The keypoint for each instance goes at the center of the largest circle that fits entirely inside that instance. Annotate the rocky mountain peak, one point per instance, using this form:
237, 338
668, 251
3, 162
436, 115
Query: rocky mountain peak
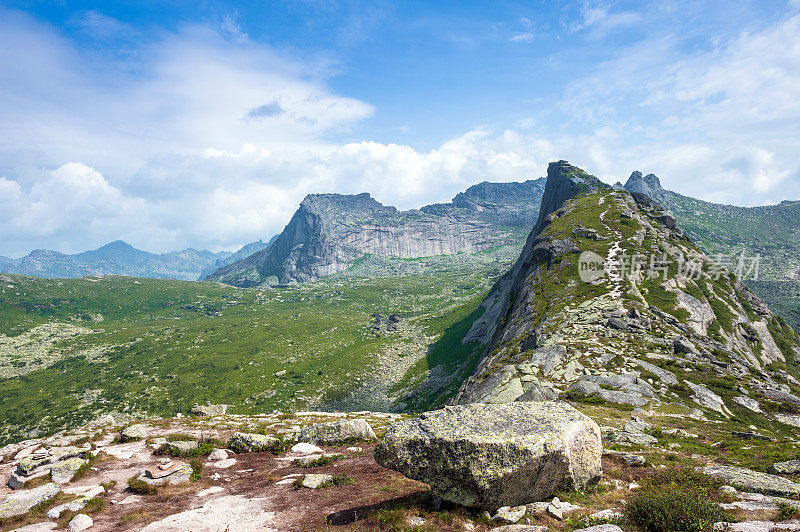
350, 203
611, 303
648, 185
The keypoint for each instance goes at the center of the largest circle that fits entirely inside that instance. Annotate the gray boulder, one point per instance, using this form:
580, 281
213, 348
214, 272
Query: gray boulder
209, 410
65, 470
792, 467
182, 447
23, 501
490, 456
243, 442
754, 480
134, 433
336, 432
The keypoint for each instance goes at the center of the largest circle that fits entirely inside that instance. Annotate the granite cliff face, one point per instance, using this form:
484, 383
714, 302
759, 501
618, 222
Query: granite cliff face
330, 232
657, 321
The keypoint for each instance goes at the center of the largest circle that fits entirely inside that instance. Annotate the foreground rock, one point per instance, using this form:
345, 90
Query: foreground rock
335, 432
21, 502
792, 467
496, 455
753, 480
243, 442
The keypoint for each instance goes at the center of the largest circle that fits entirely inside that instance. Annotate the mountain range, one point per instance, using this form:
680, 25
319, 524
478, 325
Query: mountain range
120, 258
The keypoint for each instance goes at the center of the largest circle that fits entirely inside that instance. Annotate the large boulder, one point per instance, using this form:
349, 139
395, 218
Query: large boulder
209, 410
489, 456
65, 470
336, 432
244, 442
23, 501
133, 433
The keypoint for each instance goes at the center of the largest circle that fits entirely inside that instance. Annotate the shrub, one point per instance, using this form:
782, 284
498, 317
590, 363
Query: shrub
676, 499
786, 511
136, 485
318, 462
197, 468
338, 480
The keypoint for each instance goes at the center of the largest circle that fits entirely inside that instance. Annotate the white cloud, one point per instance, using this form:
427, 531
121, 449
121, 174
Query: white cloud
721, 124
523, 37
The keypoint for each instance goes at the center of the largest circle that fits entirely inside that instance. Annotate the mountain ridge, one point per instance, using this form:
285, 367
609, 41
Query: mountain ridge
330, 232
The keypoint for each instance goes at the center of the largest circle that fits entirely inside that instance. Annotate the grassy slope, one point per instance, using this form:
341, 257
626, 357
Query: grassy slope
772, 231
164, 345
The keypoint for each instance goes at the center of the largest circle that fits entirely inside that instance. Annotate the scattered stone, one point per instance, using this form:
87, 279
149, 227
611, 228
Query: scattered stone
314, 481
218, 454
133, 433
242, 442
607, 514
225, 464
634, 460
555, 512
792, 467
175, 473
21, 502
335, 432
42, 457
750, 435
635, 426
600, 528
209, 410
182, 447
65, 470
73, 506
86, 491
306, 448
631, 437
754, 480
708, 399
80, 522
510, 515
416, 521
486, 455
18, 480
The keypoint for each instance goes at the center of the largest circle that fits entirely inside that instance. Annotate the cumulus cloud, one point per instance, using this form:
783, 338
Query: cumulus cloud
204, 138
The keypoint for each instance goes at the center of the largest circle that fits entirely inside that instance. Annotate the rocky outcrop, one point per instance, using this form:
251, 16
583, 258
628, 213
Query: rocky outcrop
329, 232
496, 455
23, 501
337, 432
648, 185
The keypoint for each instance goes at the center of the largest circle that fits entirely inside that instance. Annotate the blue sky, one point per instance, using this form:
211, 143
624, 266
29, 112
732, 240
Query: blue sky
203, 124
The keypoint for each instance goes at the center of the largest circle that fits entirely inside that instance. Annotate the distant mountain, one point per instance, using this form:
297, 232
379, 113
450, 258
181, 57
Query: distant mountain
330, 232
5, 261
771, 232
244, 252
115, 258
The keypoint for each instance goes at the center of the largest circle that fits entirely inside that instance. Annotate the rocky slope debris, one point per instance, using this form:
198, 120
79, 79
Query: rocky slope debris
496, 455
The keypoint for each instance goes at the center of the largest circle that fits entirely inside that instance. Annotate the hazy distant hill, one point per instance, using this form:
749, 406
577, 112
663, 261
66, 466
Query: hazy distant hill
115, 258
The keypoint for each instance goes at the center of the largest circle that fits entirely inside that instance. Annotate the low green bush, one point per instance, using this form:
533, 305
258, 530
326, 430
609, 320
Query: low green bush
676, 499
